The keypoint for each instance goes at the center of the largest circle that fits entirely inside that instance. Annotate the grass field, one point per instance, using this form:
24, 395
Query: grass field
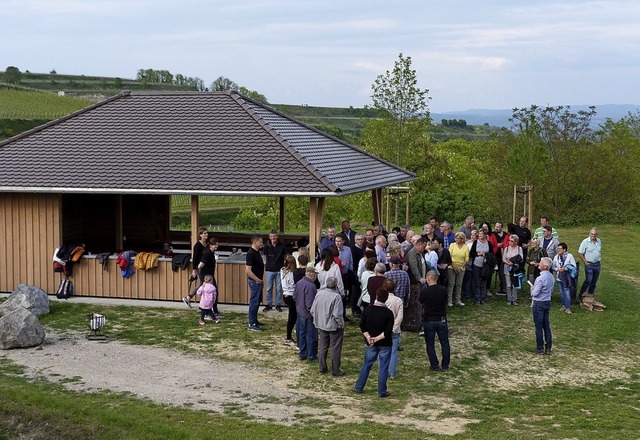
496, 389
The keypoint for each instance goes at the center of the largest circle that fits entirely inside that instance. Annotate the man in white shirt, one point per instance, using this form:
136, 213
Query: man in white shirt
590, 252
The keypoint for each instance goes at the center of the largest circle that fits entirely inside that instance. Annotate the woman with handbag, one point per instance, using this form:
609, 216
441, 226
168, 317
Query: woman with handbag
511, 268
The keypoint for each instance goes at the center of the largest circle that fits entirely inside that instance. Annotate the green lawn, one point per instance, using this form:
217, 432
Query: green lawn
496, 389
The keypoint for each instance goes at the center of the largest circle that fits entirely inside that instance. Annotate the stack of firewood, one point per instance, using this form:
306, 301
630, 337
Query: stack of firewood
589, 303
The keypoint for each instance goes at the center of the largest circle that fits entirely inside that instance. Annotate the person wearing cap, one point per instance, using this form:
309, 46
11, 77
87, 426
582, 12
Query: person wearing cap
548, 242
400, 279
303, 295
327, 311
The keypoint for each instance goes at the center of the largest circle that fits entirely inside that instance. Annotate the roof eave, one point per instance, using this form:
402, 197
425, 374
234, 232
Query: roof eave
62, 190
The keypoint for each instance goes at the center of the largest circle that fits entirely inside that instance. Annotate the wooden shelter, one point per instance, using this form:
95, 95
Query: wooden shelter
104, 175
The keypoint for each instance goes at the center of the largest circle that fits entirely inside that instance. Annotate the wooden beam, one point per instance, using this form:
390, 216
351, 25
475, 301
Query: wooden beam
195, 207
281, 215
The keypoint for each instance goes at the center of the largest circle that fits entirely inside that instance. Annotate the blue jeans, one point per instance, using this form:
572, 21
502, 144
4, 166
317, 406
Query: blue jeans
591, 274
371, 353
255, 292
307, 339
540, 312
271, 277
441, 328
565, 295
393, 362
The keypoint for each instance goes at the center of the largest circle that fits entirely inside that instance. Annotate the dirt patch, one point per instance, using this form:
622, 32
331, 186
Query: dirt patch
514, 372
173, 378
626, 277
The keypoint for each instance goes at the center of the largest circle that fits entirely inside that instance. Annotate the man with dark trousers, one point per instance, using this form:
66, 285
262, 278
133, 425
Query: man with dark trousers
433, 298
377, 328
254, 269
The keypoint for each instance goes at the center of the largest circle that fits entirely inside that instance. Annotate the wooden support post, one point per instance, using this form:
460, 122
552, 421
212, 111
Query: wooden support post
281, 215
406, 214
316, 212
376, 202
195, 207
387, 219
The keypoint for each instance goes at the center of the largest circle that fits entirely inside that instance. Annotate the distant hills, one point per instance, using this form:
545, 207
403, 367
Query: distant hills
20, 110
500, 118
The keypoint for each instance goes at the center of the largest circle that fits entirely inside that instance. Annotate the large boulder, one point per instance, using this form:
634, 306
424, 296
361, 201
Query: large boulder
20, 328
31, 298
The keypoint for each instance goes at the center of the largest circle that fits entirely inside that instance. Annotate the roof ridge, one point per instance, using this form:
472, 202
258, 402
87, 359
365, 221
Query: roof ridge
242, 100
63, 118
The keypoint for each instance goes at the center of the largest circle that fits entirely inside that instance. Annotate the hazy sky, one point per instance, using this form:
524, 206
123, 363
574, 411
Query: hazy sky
469, 54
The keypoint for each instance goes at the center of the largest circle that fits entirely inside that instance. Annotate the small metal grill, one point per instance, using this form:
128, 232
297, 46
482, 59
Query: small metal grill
96, 322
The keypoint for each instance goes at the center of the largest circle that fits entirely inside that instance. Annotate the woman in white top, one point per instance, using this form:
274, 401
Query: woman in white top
364, 281
288, 285
327, 267
369, 252
431, 257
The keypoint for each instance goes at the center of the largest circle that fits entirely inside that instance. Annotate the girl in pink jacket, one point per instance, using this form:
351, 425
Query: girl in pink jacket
207, 293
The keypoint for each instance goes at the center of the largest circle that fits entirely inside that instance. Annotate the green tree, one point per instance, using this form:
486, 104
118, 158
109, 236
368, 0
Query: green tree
404, 105
117, 83
557, 144
253, 95
12, 75
615, 160
222, 84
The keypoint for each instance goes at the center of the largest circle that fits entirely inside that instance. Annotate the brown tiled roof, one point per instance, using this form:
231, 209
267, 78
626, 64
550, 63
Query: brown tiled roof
187, 143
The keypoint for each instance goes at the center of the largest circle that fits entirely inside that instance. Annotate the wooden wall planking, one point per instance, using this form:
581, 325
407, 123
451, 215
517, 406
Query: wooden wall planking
30, 235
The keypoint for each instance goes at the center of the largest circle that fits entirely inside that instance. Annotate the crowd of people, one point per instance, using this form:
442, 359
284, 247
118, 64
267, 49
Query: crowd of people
401, 279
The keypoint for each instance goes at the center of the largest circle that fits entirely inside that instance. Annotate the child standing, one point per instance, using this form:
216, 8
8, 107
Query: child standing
207, 293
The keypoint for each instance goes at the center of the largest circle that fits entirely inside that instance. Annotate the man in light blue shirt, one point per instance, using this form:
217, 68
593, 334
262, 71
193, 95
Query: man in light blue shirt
541, 296
590, 252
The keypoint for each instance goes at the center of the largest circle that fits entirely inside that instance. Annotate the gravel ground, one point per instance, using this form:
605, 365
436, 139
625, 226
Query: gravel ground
172, 378
161, 375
